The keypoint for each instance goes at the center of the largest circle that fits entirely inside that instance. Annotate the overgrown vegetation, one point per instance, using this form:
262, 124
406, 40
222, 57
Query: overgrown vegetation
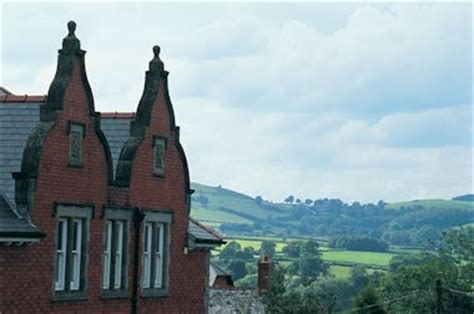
441, 282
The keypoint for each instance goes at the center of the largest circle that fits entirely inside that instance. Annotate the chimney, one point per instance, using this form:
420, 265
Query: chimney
265, 266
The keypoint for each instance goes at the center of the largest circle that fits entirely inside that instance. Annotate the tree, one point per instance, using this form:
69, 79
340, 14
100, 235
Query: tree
230, 251
273, 297
237, 268
310, 248
259, 200
311, 268
249, 281
415, 287
415, 259
459, 246
368, 301
441, 283
298, 201
308, 202
267, 248
292, 249
290, 199
247, 254
359, 277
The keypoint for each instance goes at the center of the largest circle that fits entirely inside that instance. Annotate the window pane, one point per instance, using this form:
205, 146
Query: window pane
159, 256
76, 255
59, 242
147, 255
118, 254
61, 254
107, 255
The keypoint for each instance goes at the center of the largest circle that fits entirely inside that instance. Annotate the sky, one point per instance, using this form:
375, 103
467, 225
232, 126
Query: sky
355, 101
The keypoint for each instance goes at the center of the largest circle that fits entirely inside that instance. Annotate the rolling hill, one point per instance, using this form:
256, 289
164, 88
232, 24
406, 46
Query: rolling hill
412, 223
217, 205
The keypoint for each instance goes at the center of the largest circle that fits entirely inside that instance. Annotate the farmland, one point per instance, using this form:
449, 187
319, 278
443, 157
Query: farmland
341, 261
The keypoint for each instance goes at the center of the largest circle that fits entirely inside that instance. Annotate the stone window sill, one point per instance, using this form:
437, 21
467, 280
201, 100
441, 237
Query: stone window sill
68, 296
114, 294
155, 293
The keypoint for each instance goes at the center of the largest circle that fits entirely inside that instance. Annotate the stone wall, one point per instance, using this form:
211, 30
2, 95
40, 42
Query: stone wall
225, 301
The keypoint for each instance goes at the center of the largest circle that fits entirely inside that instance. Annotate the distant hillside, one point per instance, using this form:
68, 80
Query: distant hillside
467, 198
417, 222
435, 204
217, 205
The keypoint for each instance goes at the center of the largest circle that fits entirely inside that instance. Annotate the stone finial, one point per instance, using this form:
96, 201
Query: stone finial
156, 64
71, 26
70, 43
156, 51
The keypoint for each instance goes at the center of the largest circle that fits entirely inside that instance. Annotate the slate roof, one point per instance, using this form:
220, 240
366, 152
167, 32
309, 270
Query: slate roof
18, 117
218, 270
12, 226
203, 234
17, 121
116, 130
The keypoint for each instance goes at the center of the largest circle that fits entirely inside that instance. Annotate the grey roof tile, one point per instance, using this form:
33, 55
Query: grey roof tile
203, 233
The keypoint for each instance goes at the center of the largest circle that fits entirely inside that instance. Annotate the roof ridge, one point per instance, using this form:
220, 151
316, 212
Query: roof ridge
23, 98
118, 115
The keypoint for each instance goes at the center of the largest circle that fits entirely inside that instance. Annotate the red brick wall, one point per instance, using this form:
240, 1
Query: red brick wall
168, 193
27, 274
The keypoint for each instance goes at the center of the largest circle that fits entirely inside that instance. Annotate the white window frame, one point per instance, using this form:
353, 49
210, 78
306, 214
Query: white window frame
159, 258
107, 255
71, 279
119, 226
76, 254
115, 257
147, 241
156, 253
60, 273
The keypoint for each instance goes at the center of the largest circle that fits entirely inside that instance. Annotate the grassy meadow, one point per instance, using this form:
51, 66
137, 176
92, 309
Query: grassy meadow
341, 261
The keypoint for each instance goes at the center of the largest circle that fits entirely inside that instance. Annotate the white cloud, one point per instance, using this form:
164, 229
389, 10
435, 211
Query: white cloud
319, 100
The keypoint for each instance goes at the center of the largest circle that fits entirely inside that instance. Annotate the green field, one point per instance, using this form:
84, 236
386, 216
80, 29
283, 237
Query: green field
216, 216
340, 272
370, 258
435, 203
219, 197
344, 257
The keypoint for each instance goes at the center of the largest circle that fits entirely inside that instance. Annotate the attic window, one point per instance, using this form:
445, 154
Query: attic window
76, 134
159, 162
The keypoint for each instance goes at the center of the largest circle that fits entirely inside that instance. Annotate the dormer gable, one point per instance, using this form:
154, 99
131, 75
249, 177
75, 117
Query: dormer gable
69, 110
154, 126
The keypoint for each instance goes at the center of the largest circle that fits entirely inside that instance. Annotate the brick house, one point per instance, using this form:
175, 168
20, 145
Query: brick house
94, 208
